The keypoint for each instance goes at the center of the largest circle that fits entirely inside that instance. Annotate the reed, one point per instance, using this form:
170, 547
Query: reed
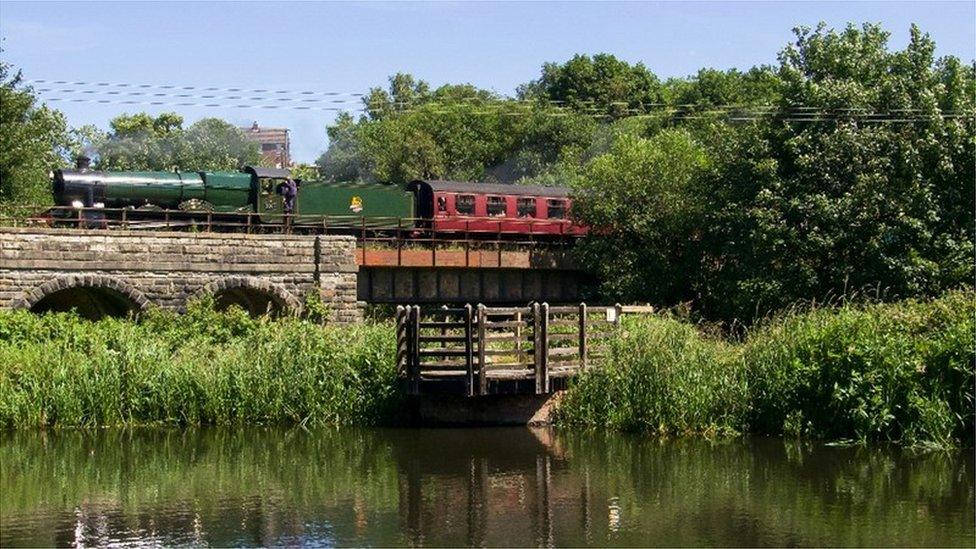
900, 372
200, 368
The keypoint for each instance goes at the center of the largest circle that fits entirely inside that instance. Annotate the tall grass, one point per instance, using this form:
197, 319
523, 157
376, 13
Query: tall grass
900, 372
661, 375
200, 368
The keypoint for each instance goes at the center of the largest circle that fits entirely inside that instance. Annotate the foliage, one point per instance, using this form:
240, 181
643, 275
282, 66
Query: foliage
33, 140
845, 166
601, 84
862, 179
141, 142
200, 368
900, 372
661, 375
453, 132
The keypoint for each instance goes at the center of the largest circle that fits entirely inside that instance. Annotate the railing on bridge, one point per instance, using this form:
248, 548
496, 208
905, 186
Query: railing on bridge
382, 241
489, 350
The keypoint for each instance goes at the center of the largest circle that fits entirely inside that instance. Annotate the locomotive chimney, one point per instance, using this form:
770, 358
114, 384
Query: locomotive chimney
82, 162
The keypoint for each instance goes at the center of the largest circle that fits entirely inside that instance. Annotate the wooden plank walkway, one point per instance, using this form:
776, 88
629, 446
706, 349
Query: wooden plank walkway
479, 350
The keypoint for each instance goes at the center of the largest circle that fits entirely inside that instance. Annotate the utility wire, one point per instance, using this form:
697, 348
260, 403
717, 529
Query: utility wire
804, 114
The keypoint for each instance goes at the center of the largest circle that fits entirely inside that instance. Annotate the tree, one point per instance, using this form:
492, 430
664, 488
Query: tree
641, 199
34, 139
212, 144
601, 84
142, 142
861, 177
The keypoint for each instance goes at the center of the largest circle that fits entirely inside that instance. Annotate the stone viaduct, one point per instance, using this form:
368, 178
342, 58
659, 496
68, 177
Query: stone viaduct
110, 272
114, 272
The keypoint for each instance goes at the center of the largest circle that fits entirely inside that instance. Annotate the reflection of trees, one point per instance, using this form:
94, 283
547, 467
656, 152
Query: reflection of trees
471, 487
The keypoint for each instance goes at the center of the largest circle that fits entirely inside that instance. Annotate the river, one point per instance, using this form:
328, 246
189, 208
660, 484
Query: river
498, 486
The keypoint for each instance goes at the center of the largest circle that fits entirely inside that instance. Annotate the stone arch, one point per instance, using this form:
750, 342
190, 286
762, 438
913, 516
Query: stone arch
92, 296
254, 295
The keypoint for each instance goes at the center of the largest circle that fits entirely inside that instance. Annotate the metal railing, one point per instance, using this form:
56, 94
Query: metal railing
457, 244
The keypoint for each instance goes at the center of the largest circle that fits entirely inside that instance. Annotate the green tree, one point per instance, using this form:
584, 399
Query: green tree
213, 144
142, 142
641, 198
34, 139
601, 84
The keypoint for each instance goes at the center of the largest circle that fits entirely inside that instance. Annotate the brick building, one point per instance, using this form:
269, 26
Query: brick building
273, 142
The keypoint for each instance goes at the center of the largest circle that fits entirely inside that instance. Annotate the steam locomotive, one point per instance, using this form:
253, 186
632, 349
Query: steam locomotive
255, 194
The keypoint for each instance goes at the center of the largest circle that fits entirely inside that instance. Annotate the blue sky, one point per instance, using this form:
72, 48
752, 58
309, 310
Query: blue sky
349, 47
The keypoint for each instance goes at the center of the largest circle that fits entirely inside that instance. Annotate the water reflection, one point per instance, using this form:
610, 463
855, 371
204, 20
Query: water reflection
481, 487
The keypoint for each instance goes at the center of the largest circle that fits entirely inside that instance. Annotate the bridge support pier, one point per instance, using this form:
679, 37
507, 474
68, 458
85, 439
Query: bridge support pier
520, 409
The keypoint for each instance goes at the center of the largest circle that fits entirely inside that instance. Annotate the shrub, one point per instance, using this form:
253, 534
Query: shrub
900, 372
661, 375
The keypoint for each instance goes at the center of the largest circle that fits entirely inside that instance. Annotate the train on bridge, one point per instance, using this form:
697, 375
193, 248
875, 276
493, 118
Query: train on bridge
258, 196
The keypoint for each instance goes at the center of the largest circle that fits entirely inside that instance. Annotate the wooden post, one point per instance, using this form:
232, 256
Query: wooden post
415, 350
537, 337
469, 350
125, 219
518, 338
401, 351
482, 380
582, 336
619, 308
545, 348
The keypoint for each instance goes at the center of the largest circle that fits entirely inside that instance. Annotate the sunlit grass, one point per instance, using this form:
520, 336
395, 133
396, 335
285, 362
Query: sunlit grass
200, 368
897, 372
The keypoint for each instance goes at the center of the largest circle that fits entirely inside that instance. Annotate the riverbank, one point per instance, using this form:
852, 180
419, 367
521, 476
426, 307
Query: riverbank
899, 372
203, 367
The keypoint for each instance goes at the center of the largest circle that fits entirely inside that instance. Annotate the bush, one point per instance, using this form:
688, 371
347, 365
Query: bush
200, 368
661, 375
900, 372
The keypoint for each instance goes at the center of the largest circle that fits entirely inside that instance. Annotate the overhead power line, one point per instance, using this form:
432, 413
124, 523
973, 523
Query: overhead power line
801, 114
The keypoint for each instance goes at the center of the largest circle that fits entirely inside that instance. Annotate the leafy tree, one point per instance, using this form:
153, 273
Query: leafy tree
862, 178
641, 198
33, 140
213, 144
141, 142
601, 84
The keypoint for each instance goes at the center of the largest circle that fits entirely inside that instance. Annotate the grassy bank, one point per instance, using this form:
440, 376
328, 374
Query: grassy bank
897, 372
200, 368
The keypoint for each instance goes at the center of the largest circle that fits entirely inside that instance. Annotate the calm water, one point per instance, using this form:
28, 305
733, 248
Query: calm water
280, 486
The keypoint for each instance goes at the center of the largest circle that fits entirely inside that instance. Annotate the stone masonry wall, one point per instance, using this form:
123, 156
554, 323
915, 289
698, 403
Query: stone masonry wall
165, 269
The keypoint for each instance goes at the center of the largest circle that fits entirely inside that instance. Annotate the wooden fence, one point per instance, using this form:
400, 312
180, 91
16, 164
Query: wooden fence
484, 350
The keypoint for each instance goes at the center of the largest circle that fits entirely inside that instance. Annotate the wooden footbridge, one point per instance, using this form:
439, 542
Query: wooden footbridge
479, 350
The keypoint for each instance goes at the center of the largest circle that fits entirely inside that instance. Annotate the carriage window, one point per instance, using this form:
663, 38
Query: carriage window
496, 206
464, 204
441, 204
557, 209
525, 207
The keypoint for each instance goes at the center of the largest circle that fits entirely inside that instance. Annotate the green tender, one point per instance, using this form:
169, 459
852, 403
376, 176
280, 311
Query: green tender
344, 205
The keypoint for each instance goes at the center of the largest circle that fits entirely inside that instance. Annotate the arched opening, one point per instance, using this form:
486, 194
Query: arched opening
91, 302
254, 301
